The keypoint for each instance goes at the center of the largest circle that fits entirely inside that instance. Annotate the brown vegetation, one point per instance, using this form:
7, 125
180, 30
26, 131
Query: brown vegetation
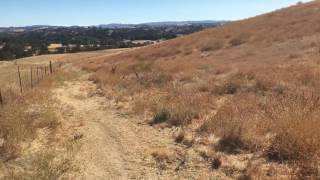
22, 118
246, 85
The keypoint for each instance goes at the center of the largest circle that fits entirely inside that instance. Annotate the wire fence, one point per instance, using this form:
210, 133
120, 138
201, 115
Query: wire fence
28, 77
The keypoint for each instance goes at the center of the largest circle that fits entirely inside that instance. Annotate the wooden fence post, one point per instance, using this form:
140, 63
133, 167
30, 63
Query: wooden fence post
1, 100
20, 83
31, 81
38, 74
41, 73
51, 70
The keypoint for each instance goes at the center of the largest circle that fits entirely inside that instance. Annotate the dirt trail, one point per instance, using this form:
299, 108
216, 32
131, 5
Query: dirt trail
114, 145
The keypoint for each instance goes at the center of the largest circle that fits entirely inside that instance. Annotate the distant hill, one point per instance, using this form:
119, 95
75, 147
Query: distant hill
17, 42
205, 23
26, 28
164, 24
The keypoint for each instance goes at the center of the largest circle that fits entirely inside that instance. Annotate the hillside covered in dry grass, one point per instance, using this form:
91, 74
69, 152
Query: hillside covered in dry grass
248, 88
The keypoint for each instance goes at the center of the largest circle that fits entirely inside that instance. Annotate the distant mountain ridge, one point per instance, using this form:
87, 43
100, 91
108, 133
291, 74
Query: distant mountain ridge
118, 26
163, 24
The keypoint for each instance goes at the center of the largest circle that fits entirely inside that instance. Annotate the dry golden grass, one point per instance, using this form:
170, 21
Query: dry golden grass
22, 116
242, 82
21, 119
44, 166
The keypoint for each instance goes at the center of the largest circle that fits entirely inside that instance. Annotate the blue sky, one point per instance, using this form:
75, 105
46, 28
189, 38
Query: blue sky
93, 12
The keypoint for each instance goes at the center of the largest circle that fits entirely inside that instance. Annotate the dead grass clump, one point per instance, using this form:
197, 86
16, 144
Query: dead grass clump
180, 136
235, 123
203, 88
163, 115
175, 114
216, 163
221, 69
231, 85
95, 79
44, 166
178, 108
308, 77
163, 157
91, 66
163, 52
246, 81
293, 56
294, 121
284, 126
157, 79
239, 39
226, 87
212, 46
142, 66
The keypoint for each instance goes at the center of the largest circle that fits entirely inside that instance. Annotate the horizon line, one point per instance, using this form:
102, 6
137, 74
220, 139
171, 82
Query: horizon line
115, 23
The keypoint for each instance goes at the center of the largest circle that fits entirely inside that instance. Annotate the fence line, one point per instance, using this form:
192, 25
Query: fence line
28, 78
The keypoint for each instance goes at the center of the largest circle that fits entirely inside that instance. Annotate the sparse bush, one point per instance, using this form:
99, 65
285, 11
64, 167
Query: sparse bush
294, 120
44, 166
212, 46
162, 157
280, 88
239, 40
293, 56
204, 88
154, 79
178, 108
290, 122
232, 141
175, 115
233, 123
216, 163
161, 116
229, 86
142, 66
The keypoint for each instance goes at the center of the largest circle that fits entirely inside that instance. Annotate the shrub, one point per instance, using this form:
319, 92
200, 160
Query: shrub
239, 40
216, 163
284, 126
142, 66
178, 108
212, 46
180, 137
161, 116
228, 86
294, 120
175, 115
233, 123
44, 166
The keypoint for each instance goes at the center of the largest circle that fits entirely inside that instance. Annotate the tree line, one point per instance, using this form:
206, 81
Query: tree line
15, 45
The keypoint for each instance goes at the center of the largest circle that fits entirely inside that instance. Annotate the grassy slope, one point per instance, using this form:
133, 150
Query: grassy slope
252, 83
